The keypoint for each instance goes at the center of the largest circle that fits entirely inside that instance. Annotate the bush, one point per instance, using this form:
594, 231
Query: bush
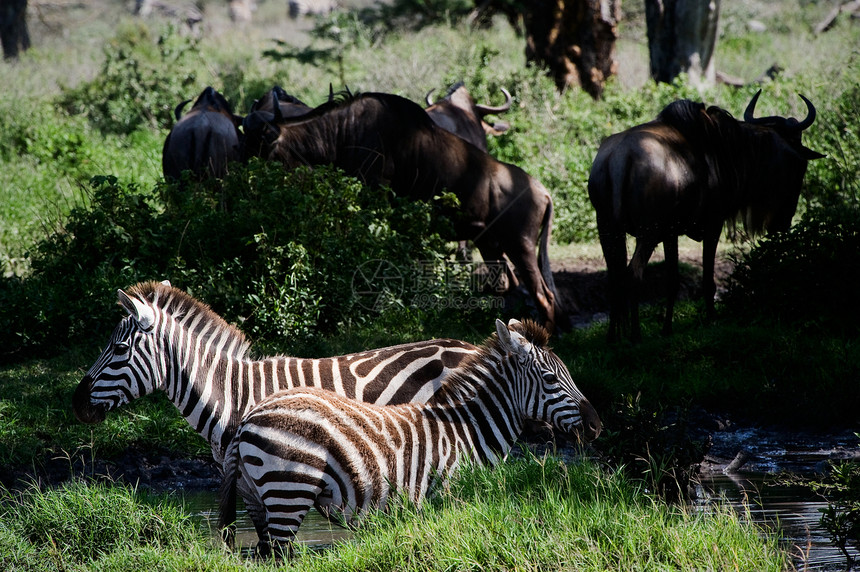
805, 276
131, 90
273, 250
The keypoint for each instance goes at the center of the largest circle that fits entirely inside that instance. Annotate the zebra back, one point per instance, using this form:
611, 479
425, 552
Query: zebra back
309, 447
172, 342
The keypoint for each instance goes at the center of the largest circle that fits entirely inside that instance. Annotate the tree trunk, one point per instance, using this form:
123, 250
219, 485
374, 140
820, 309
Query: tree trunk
681, 38
574, 39
14, 35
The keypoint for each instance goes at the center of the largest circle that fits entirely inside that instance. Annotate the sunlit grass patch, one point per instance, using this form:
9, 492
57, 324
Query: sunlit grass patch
81, 521
543, 514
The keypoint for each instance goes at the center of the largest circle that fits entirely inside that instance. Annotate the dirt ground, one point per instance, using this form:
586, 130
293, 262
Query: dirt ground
581, 282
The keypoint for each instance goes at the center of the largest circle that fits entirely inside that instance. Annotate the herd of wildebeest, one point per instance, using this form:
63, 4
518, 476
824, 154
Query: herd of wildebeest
688, 172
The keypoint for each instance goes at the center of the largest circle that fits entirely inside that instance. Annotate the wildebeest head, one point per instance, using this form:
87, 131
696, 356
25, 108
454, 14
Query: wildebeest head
689, 172
777, 211
204, 140
458, 113
287, 105
261, 125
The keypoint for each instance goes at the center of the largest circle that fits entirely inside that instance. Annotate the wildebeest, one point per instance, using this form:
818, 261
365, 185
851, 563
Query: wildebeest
386, 139
688, 172
204, 140
458, 113
288, 105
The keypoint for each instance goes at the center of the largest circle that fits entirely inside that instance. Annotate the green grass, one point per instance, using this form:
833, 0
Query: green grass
526, 514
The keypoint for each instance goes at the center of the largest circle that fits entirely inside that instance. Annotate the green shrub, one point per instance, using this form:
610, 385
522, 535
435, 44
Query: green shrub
806, 276
132, 89
275, 251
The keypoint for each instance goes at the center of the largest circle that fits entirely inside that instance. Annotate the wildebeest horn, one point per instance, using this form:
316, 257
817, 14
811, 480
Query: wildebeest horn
486, 109
810, 114
427, 99
276, 110
749, 113
330, 92
178, 111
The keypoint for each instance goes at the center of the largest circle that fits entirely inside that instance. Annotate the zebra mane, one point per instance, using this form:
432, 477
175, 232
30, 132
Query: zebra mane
459, 386
184, 308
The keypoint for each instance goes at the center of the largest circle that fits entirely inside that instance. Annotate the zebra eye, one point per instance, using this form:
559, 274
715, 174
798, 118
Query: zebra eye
549, 376
121, 348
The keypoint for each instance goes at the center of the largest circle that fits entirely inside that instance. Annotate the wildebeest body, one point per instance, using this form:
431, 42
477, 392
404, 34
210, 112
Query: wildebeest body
687, 173
386, 139
204, 140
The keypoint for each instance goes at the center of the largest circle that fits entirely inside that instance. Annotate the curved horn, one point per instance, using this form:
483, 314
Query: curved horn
810, 114
178, 111
427, 99
749, 113
486, 109
276, 111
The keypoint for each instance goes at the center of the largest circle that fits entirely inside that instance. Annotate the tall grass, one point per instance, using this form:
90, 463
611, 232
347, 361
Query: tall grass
526, 514
543, 514
81, 522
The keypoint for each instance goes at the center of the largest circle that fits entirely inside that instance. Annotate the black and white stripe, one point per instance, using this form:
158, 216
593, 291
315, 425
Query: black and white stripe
174, 343
304, 448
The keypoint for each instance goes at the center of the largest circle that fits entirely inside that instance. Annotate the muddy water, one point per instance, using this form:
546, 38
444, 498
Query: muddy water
755, 490
316, 531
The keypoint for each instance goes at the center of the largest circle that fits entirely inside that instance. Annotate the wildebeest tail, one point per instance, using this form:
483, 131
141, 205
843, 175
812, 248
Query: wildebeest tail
227, 500
543, 255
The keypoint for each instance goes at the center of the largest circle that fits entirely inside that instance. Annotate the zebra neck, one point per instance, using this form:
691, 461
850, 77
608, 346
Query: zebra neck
203, 382
488, 422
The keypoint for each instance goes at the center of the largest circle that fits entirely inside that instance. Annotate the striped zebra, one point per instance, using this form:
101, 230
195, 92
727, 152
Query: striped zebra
309, 447
171, 342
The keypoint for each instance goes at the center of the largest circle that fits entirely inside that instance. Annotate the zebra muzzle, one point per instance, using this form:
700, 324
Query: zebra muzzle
85, 410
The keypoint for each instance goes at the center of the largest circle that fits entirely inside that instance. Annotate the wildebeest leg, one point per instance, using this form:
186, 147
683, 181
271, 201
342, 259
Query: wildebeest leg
524, 258
670, 251
492, 253
644, 248
709, 255
614, 246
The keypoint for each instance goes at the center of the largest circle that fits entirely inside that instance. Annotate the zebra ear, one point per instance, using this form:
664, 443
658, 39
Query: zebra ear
512, 341
166, 282
142, 314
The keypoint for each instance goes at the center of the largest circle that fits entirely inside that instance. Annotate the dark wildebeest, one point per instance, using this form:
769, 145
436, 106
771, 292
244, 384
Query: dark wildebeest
386, 139
458, 113
688, 172
288, 105
204, 140
275, 105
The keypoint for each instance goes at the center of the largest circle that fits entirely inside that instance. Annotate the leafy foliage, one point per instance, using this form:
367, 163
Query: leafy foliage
131, 91
805, 276
273, 250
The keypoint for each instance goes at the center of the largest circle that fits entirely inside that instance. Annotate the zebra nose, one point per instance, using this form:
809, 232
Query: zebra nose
84, 410
591, 425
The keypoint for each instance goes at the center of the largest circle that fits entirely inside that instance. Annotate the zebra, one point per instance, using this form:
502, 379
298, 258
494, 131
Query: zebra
310, 447
172, 342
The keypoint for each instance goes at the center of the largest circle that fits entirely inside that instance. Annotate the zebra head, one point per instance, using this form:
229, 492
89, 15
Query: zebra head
125, 370
548, 392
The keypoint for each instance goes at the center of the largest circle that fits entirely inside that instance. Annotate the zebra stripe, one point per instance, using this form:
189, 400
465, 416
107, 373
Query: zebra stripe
310, 447
174, 343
